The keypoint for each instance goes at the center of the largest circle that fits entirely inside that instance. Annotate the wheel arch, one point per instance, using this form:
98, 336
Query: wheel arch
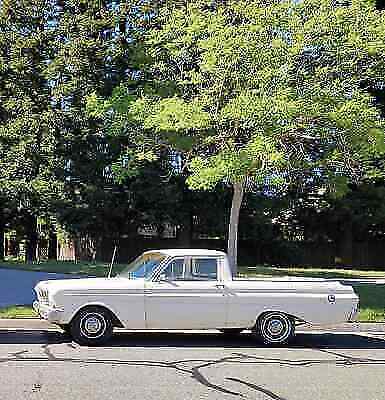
116, 322
293, 317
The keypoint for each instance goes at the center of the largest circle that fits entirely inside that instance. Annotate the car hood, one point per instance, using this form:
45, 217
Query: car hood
117, 283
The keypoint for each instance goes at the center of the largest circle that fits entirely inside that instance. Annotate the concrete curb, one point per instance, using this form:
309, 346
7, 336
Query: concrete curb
25, 323
355, 327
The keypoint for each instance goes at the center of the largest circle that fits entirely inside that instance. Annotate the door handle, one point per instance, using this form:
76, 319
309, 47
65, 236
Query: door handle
220, 286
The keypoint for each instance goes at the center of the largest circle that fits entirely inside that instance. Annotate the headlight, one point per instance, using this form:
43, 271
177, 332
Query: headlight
53, 302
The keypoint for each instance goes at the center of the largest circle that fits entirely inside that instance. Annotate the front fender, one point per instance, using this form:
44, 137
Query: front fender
70, 315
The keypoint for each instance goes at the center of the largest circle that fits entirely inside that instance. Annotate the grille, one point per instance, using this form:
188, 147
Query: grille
43, 296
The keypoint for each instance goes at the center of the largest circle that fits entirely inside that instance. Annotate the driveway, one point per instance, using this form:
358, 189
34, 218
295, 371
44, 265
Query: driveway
16, 287
46, 365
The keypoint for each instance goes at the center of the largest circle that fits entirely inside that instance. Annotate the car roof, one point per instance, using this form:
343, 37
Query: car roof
188, 252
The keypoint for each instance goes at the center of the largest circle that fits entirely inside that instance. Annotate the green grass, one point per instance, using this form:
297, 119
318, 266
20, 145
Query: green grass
372, 297
17, 312
264, 271
372, 302
98, 269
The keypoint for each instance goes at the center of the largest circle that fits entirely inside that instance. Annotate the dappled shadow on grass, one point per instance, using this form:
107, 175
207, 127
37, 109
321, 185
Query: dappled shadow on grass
18, 312
328, 273
372, 297
372, 301
97, 269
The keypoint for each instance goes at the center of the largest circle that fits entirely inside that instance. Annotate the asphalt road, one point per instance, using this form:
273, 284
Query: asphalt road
43, 364
16, 287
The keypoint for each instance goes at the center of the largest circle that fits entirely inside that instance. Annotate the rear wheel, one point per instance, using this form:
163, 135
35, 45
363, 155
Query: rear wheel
92, 326
275, 328
231, 331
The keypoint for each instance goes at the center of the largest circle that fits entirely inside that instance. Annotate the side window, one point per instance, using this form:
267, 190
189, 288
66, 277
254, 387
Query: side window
204, 269
175, 270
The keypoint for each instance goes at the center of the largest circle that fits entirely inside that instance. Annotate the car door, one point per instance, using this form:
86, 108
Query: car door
186, 295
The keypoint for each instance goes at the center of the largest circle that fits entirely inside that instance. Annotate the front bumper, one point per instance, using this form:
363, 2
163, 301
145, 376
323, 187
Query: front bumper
47, 312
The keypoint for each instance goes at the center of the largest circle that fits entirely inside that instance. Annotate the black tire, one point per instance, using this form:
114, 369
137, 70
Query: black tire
231, 331
92, 326
275, 328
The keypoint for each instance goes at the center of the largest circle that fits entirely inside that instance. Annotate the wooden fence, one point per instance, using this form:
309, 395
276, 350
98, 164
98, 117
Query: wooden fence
365, 254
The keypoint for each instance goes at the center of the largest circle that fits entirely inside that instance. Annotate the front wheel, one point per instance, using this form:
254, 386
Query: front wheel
275, 328
92, 326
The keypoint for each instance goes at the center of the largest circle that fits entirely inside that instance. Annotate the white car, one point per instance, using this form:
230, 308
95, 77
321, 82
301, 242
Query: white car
191, 289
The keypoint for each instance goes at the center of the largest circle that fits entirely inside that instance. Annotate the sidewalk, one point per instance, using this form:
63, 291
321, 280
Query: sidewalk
355, 327
352, 327
26, 323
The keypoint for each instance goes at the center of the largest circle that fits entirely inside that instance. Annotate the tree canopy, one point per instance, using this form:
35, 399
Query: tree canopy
112, 111
259, 93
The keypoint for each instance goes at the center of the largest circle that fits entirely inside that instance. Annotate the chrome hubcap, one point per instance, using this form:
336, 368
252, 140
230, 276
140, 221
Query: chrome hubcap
275, 326
92, 325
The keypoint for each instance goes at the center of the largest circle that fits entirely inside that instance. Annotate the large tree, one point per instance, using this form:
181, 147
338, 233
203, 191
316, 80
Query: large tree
92, 55
265, 93
29, 121
55, 158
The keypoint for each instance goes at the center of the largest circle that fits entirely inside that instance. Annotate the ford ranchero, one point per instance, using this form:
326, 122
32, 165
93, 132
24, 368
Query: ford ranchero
191, 289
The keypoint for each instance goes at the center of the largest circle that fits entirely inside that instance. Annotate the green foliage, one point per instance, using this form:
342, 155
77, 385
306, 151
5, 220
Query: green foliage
176, 115
106, 108
326, 218
256, 158
265, 90
28, 121
55, 155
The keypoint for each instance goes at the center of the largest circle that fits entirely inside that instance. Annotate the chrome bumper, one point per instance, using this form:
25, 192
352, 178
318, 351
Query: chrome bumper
48, 313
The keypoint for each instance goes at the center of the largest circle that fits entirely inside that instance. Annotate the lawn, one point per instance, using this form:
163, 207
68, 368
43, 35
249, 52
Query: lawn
98, 269
372, 302
340, 273
372, 297
17, 312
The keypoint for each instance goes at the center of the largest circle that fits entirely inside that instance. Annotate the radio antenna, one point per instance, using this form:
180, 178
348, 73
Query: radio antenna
112, 262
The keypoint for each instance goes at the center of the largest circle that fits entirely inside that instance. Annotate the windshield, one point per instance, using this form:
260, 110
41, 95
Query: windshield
143, 266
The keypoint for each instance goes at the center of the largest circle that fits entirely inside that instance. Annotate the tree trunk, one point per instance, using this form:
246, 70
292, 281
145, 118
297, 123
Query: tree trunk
77, 249
345, 243
97, 253
232, 245
32, 239
2, 240
52, 246
185, 232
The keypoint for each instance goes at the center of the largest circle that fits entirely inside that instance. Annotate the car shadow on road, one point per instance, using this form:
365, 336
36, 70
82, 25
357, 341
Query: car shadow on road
244, 340
199, 340
242, 353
